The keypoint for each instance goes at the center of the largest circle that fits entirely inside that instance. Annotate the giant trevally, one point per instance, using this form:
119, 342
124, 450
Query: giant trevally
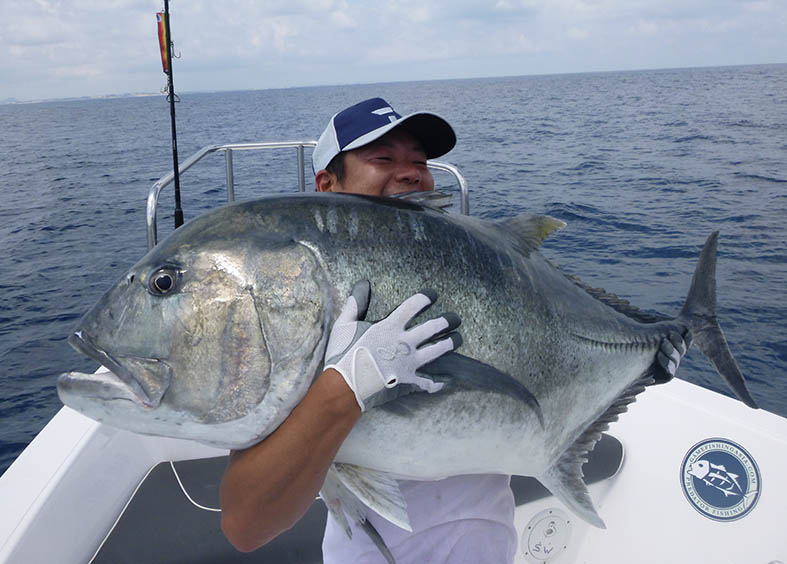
217, 333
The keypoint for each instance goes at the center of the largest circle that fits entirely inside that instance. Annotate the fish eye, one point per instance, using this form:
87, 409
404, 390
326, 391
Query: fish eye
163, 281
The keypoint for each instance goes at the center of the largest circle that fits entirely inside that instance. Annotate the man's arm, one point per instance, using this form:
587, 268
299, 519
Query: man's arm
267, 488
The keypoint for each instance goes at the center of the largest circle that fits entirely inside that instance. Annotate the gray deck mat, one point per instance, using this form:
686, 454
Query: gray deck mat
160, 525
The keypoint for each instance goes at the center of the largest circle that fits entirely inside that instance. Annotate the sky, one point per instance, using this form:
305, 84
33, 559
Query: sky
68, 48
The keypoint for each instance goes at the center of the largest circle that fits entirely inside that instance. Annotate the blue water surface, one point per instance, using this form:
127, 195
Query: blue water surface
642, 165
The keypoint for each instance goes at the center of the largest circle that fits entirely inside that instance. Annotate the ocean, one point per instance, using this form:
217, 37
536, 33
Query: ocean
643, 166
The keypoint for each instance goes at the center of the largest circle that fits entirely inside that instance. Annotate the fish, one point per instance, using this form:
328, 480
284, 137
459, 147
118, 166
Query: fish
717, 476
217, 333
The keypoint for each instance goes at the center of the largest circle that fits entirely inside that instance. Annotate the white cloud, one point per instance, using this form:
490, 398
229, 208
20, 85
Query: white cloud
77, 71
577, 33
83, 47
343, 20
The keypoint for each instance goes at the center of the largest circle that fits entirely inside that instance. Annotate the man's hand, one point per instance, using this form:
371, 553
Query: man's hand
371, 357
672, 349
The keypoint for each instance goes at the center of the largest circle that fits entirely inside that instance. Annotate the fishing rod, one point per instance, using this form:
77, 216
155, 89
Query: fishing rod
165, 44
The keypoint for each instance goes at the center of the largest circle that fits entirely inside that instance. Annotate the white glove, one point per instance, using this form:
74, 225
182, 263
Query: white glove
371, 357
672, 349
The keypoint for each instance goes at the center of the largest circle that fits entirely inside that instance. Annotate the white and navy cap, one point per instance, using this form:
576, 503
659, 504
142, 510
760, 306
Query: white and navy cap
369, 120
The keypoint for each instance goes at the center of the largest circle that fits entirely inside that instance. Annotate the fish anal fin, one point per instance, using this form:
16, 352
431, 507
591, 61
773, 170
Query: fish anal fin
377, 490
529, 231
565, 478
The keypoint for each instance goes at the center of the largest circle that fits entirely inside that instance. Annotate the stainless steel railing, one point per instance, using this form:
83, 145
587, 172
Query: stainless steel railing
161, 183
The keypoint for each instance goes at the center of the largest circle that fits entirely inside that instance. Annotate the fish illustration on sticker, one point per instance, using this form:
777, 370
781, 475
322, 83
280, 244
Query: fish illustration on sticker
717, 476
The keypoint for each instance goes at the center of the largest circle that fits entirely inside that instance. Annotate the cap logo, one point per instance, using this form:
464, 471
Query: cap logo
386, 110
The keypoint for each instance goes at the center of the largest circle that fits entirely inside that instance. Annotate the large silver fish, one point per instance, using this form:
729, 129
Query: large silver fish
218, 332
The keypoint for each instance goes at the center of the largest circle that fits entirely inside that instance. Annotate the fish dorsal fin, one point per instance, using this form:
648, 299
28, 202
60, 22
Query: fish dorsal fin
564, 478
377, 490
529, 231
617, 303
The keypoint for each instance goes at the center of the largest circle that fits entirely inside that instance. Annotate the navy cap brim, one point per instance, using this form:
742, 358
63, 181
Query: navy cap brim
435, 134
367, 121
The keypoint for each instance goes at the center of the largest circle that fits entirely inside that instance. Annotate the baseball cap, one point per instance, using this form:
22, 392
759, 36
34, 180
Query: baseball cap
369, 120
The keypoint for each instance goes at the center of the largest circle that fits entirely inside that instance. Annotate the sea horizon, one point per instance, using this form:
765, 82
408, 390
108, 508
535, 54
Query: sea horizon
14, 101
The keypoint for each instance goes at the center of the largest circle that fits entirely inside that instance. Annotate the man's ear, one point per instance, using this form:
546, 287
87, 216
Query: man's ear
325, 181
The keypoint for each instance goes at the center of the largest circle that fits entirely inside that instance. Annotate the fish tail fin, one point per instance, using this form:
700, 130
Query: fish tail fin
699, 314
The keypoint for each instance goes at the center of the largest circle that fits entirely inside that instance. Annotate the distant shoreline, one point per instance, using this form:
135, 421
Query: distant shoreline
14, 101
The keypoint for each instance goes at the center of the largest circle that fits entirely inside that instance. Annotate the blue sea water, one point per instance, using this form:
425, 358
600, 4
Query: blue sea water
642, 165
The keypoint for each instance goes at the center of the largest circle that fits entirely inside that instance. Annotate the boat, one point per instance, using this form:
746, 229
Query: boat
687, 475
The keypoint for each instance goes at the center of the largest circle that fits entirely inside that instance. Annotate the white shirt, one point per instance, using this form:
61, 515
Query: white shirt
462, 519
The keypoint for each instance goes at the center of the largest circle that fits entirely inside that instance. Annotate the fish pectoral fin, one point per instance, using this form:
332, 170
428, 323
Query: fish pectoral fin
454, 369
377, 490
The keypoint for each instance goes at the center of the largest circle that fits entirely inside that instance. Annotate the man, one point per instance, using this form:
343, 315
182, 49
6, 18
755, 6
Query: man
370, 149
366, 149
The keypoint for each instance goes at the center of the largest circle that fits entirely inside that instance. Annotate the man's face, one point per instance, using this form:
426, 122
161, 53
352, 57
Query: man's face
392, 164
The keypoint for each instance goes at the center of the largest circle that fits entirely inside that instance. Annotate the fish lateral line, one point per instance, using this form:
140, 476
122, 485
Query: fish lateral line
622, 344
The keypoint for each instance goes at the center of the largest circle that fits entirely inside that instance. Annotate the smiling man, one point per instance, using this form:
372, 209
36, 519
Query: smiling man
370, 149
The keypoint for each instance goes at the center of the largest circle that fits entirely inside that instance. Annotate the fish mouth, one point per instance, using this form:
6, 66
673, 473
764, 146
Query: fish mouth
113, 380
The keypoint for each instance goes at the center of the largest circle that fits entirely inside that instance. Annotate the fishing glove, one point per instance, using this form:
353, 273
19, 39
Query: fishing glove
672, 349
374, 356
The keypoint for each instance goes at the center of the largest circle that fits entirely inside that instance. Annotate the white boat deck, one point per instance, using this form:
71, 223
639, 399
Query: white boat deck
66, 490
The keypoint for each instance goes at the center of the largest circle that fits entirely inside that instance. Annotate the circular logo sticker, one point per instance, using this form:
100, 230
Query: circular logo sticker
720, 479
